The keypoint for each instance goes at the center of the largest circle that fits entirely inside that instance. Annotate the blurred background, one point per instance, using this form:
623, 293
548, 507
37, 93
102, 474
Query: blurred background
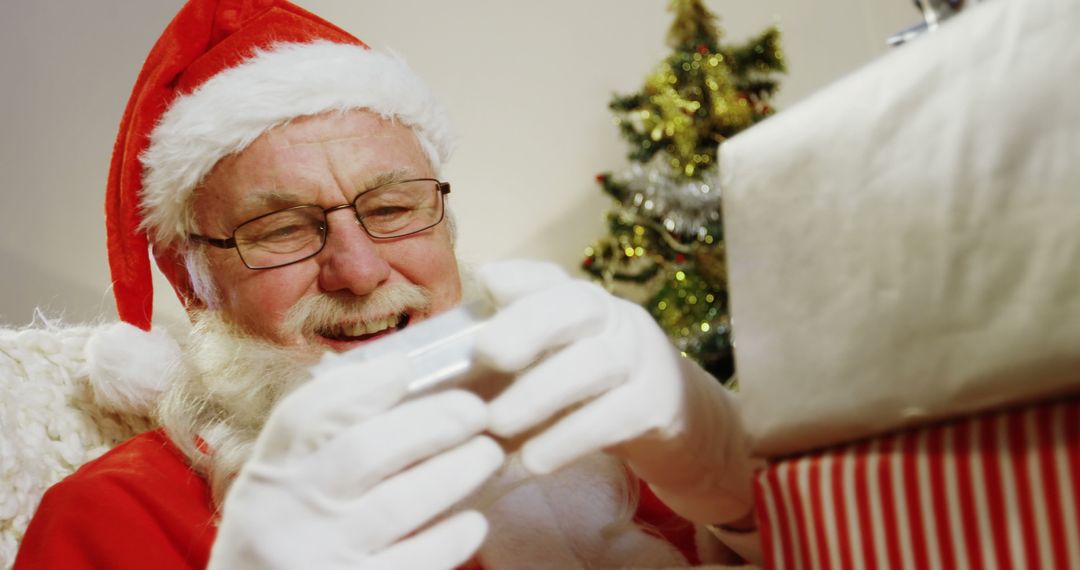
527, 84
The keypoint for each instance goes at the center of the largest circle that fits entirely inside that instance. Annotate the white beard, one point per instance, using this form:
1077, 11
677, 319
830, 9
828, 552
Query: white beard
228, 381
222, 394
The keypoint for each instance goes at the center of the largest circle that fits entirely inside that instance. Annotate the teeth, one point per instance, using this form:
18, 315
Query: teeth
370, 327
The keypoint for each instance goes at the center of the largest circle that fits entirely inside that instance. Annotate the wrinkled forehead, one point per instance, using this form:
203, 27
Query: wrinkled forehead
327, 158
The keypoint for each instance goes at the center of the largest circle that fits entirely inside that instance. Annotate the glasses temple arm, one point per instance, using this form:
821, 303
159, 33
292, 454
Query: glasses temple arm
226, 243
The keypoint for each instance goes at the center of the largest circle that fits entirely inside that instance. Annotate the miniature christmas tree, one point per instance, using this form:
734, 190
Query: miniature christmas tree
665, 247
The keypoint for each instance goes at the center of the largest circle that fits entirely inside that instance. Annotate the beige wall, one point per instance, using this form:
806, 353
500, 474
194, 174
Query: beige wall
526, 82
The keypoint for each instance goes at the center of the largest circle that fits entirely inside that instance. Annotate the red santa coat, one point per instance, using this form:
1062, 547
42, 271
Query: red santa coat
141, 506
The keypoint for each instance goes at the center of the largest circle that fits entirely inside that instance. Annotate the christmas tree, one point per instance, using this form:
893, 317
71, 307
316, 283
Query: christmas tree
665, 247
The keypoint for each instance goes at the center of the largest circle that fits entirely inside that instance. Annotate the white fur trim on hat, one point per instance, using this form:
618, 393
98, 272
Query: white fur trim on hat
129, 368
231, 109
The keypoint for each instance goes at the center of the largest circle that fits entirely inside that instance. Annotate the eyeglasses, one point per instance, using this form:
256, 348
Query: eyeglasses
291, 235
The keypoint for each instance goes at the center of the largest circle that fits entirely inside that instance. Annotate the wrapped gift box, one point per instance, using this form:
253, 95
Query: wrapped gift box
997, 490
904, 261
904, 246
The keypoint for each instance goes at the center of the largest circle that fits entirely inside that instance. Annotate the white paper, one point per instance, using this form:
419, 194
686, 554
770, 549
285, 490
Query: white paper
905, 245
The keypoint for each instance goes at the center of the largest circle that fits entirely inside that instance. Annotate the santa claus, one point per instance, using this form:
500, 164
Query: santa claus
286, 179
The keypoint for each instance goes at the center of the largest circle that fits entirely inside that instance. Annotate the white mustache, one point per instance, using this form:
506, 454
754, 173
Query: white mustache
330, 311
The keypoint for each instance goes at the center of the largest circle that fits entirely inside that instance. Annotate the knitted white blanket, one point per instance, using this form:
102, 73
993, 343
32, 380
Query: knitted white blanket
51, 422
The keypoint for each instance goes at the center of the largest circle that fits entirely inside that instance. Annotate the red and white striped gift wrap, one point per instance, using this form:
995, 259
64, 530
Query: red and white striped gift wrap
999, 490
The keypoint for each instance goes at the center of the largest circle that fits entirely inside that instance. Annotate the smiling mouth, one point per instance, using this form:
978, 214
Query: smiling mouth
366, 330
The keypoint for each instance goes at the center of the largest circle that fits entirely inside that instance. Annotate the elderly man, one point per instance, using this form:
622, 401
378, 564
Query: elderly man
286, 178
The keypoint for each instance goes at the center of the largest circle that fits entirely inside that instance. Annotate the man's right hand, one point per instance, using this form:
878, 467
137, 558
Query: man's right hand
343, 477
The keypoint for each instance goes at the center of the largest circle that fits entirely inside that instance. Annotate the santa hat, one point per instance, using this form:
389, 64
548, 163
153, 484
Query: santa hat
221, 74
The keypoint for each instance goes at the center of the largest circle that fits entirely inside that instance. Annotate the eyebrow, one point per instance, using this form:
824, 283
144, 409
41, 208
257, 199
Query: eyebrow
396, 175
268, 201
264, 201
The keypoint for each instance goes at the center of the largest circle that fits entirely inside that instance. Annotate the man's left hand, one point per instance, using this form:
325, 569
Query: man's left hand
597, 373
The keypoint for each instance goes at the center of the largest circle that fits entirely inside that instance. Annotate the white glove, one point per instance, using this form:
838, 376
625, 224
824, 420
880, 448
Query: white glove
340, 478
615, 383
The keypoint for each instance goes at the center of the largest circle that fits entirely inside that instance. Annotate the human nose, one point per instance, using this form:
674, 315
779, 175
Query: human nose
350, 260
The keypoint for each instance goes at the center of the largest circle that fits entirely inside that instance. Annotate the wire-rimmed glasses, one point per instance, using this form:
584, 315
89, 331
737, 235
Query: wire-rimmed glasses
293, 234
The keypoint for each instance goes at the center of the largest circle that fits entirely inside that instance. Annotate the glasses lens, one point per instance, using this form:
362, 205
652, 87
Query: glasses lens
281, 237
400, 209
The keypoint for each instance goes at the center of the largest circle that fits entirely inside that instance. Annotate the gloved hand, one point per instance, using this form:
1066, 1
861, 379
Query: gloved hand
603, 368
341, 478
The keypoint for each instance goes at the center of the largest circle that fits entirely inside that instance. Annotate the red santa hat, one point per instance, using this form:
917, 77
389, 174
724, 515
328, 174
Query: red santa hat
221, 74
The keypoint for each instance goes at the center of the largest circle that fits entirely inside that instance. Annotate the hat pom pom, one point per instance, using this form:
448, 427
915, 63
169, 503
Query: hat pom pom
129, 368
